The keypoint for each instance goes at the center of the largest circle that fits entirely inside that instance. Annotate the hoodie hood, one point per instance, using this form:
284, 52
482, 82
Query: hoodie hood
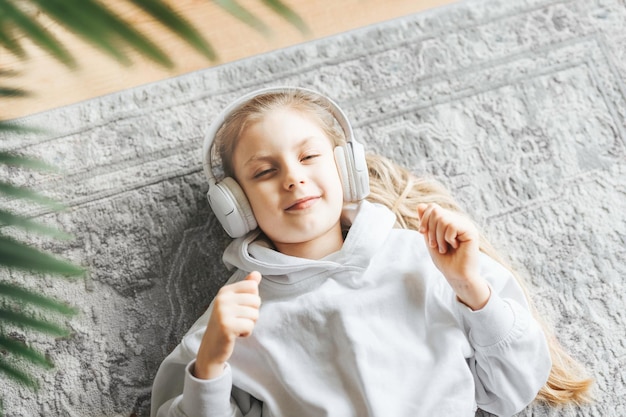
369, 224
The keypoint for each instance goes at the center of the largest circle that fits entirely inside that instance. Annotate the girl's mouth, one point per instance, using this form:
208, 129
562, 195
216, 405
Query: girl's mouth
302, 203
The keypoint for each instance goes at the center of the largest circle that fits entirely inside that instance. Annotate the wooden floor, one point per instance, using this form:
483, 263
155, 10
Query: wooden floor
53, 85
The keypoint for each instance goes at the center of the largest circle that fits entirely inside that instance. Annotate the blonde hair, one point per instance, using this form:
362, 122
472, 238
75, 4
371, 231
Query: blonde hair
401, 191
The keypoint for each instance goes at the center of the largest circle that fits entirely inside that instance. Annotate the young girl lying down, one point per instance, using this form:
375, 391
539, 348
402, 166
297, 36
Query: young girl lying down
358, 288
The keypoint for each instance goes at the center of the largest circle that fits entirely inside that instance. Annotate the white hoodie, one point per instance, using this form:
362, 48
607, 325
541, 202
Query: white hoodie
371, 330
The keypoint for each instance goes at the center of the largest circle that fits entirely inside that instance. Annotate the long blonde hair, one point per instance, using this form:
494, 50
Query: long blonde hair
401, 191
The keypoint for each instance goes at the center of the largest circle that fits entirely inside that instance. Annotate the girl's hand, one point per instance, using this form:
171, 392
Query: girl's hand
235, 312
452, 240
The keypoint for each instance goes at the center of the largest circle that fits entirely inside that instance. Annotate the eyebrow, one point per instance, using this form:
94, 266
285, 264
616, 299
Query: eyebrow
256, 158
262, 156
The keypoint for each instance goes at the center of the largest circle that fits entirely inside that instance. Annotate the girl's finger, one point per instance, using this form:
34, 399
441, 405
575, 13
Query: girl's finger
451, 236
441, 236
249, 286
432, 226
243, 327
420, 214
243, 322
254, 276
424, 211
247, 313
247, 299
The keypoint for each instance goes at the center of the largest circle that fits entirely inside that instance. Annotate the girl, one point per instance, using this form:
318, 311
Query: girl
337, 307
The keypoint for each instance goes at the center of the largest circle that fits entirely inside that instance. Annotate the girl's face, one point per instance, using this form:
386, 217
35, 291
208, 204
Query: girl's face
285, 164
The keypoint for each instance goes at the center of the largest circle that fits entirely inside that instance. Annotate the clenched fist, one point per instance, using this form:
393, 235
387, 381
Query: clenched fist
235, 312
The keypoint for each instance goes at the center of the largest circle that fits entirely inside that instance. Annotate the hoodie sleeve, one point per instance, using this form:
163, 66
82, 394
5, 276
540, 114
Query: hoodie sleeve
209, 398
511, 361
177, 393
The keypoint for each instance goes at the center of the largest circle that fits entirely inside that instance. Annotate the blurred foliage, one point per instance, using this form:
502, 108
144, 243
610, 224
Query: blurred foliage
98, 24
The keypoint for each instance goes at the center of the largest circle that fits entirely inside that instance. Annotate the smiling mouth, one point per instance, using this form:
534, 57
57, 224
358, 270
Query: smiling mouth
302, 204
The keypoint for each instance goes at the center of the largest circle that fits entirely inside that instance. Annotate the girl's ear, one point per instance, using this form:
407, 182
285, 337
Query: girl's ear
231, 207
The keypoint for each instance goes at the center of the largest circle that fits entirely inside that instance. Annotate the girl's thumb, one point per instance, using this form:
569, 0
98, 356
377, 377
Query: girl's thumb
254, 276
421, 207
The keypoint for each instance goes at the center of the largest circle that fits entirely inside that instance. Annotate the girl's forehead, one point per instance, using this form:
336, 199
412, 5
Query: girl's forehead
292, 113
285, 123
279, 132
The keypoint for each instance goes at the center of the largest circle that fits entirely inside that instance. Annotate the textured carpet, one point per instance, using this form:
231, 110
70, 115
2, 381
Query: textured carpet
518, 106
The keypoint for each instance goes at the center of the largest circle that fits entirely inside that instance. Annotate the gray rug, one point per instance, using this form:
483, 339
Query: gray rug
518, 106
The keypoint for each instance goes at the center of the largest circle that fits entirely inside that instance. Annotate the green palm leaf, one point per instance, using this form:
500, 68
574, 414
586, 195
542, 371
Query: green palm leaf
34, 31
8, 127
12, 159
177, 24
236, 10
97, 24
20, 192
24, 320
9, 91
26, 352
24, 296
19, 349
17, 375
12, 92
292, 17
14, 254
8, 40
9, 219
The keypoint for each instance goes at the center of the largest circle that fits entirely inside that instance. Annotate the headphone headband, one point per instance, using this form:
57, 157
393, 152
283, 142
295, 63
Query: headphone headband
217, 123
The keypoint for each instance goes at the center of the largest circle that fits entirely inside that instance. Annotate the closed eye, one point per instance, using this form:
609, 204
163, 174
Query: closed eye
309, 157
263, 173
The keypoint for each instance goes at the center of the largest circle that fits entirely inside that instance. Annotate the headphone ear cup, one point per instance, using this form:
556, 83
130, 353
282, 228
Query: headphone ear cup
352, 167
344, 173
231, 207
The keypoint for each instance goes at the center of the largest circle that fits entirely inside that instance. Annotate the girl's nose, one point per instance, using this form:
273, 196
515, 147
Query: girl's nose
292, 185
293, 177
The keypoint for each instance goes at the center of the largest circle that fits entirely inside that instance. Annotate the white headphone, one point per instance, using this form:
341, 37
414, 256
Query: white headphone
229, 202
